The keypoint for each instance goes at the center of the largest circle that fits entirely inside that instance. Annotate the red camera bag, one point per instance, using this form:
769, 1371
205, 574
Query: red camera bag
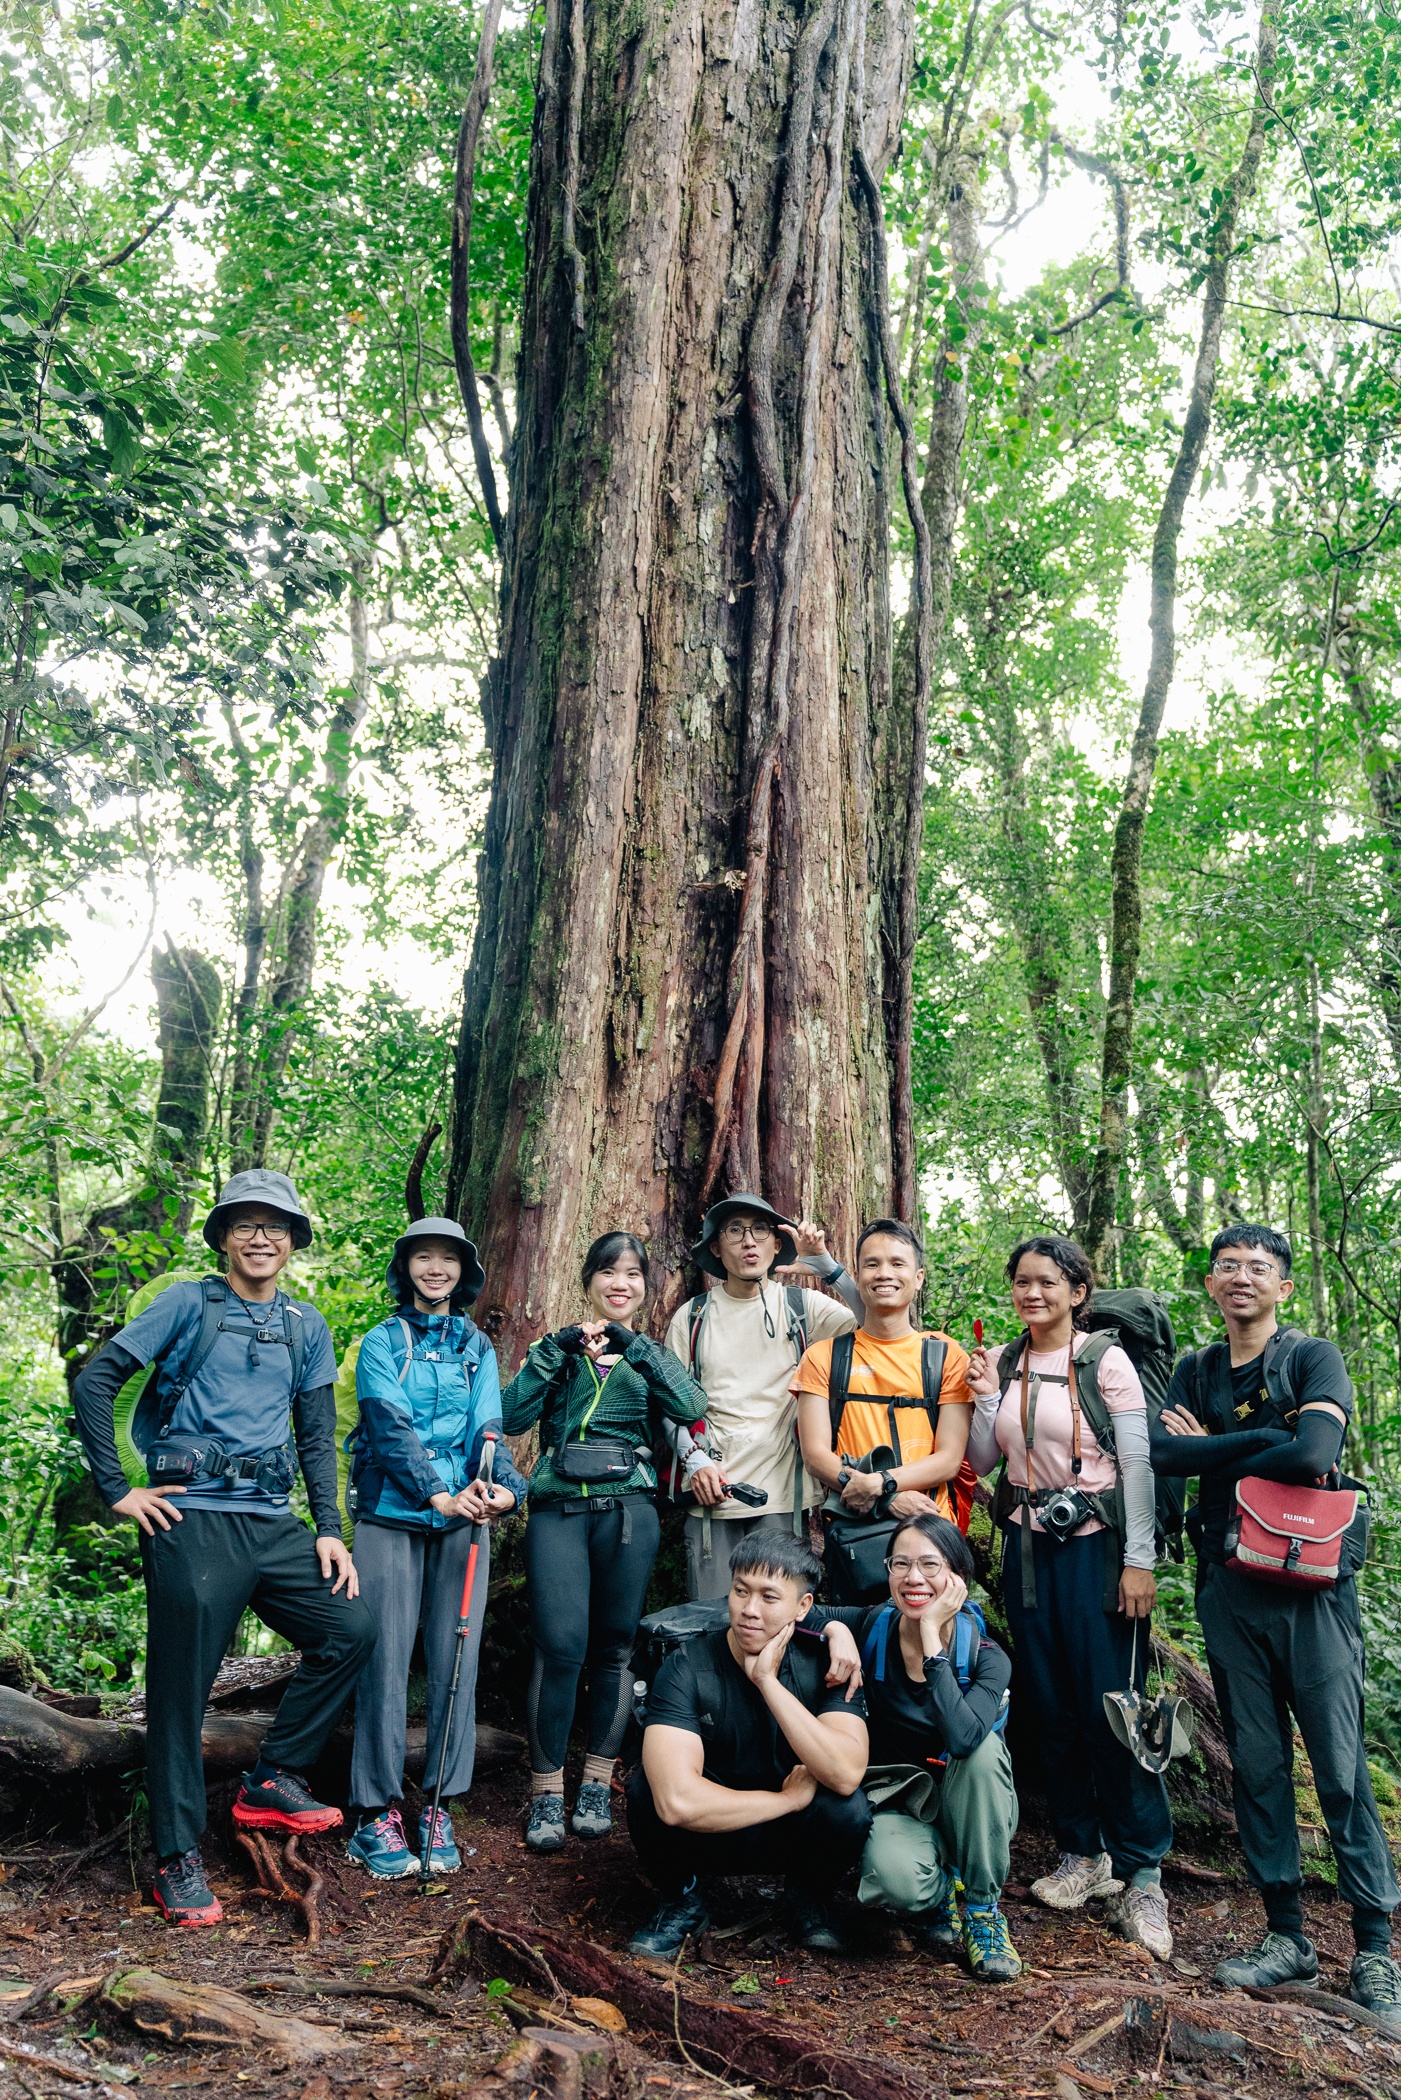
1296, 1536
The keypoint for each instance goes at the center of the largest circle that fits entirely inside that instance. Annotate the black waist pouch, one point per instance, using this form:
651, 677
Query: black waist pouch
595, 1462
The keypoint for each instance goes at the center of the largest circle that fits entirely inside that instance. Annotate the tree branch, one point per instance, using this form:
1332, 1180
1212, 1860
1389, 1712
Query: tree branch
460, 314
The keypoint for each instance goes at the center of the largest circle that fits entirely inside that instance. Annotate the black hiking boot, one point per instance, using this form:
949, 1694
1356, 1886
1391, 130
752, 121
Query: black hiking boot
183, 1894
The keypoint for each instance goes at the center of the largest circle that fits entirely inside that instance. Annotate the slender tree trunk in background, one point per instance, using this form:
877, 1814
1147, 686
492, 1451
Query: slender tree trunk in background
314, 855
1316, 1124
1127, 859
1383, 775
97, 1275
695, 669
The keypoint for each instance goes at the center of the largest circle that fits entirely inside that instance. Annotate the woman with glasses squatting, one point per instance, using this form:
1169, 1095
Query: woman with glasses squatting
940, 1779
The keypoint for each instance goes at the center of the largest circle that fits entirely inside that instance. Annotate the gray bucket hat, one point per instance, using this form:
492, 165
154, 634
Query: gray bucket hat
473, 1275
258, 1185
1152, 1730
753, 1206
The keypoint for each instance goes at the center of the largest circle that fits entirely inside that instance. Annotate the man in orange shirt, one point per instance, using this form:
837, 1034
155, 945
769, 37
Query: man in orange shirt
880, 1381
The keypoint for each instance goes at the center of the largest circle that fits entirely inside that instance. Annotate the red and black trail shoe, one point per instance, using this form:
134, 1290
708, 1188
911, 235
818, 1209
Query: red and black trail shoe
183, 1894
282, 1803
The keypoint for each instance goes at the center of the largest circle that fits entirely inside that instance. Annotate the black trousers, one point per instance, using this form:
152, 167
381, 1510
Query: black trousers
813, 1848
586, 1583
201, 1575
1069, 1652
1272, 1650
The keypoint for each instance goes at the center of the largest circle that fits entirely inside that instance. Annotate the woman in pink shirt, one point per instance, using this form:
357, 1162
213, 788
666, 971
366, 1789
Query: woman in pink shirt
1071, 1623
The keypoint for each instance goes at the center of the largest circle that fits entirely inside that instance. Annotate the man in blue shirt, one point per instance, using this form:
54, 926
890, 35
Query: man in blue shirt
241, 1372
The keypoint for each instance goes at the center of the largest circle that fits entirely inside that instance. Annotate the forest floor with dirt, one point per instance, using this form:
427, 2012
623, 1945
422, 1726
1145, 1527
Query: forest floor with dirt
423, 2005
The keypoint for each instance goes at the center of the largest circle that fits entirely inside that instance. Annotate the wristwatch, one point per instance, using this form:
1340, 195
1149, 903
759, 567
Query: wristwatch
889, 1485
843, 1476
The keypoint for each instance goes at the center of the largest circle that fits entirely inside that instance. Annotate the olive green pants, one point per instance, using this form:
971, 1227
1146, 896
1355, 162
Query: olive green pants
910, 1864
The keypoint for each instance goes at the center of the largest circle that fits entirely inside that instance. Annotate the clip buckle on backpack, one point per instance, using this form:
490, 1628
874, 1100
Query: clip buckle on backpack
1296, 1536
857, 1545
969, 1630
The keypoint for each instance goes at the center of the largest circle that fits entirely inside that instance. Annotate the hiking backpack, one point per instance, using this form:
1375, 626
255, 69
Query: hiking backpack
969, 1631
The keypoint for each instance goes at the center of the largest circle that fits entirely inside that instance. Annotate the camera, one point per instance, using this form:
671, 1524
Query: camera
1063, 1511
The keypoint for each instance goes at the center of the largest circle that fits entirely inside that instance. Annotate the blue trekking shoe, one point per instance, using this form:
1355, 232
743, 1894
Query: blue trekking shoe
940, 1927
988, 1945
382, 1847
444, 1857
685, 1918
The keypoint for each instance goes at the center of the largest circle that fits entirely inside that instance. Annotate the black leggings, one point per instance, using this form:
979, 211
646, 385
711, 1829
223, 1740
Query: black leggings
585, 1588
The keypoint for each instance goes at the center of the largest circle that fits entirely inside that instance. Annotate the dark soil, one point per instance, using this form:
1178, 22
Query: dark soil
950, 2035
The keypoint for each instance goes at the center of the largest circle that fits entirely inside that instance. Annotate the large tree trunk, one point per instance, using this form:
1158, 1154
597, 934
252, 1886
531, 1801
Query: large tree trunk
678, 976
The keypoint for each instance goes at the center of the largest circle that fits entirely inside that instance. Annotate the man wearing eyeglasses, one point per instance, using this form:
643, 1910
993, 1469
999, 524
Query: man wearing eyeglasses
741, 1342
241, 1373
1273, 1403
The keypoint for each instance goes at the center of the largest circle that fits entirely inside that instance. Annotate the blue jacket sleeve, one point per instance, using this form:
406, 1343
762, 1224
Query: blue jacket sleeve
388, 1421
486, 1415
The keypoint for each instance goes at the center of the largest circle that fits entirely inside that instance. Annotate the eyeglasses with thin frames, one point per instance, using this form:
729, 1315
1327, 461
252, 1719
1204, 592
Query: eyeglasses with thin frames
275, 1235
927, 1568
1257, 1271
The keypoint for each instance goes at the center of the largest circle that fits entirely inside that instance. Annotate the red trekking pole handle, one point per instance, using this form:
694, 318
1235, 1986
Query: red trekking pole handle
484, 1470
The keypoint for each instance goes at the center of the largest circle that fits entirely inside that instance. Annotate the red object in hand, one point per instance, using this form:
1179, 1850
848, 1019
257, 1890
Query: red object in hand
977, 1334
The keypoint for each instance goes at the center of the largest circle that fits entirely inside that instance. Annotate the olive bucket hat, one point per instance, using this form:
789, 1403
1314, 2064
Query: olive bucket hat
258, 1185
473, 1276
743, 1206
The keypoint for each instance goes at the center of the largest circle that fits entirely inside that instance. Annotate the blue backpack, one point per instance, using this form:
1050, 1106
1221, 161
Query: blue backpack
969, 1630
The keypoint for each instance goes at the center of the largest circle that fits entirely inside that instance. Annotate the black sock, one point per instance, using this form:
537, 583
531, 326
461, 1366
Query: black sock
367, 1815
262, 1772
1371, 1929
1284, 1910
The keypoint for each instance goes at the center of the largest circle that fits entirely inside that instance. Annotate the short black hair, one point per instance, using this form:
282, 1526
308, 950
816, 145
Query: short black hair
891, 1229
1262, 1236
769, 1551
605, 1251
1069, 1257
947, 1537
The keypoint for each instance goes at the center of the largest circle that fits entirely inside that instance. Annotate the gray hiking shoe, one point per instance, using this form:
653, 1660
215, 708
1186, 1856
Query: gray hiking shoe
545, 1830
1376, 1983
1277, 1959
1075, 1880
1141, 1914
593, 1811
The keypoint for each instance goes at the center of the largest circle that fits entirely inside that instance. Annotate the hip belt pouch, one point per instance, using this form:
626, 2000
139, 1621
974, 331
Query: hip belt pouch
594, 1462
1303, 1538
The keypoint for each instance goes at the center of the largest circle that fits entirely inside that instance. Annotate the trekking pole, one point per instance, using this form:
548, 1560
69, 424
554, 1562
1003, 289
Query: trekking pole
464, 1627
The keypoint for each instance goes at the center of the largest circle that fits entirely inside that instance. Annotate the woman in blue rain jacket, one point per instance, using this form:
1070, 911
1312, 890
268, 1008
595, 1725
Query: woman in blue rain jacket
429, 1393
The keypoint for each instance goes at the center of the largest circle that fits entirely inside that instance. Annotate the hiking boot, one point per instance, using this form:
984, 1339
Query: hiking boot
1278, 1959
545, 1830
593, 1811
1140, 1913
184, 1896
1075, 1880
684, 1919
282, 1803
444, 1857
1376, 1983
810, 1921
382, 1847
988, 1945
940, 1927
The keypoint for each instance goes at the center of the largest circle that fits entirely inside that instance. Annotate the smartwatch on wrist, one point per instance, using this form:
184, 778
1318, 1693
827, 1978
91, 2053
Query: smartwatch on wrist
889, 1484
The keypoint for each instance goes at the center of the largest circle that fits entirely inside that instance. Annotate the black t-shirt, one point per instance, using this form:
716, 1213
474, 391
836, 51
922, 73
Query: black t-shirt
1230, 1398
702, 1689
911, 1722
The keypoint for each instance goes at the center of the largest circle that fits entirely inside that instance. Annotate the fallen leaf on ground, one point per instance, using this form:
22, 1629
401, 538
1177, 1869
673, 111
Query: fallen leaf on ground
599, 2013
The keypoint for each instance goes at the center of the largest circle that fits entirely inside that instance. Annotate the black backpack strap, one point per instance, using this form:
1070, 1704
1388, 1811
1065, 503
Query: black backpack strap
294, 1327
710, 1696
700, 1306
932, 1358
797, 1304
216, 1298
839, 1380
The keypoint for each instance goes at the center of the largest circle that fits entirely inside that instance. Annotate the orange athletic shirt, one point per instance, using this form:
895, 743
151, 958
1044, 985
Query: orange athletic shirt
894, 1371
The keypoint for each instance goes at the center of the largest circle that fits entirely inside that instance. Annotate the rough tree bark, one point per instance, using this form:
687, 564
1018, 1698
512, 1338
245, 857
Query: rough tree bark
1127, 861
678, 974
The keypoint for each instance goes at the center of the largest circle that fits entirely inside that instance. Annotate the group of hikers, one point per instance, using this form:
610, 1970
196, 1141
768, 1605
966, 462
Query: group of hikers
780, 1735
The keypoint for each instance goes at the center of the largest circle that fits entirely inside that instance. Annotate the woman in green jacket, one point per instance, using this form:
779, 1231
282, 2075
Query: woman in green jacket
598, 1391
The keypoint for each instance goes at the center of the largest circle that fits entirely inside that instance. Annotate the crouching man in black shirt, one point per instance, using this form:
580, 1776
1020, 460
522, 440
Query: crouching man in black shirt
752, 1760
1273, 1403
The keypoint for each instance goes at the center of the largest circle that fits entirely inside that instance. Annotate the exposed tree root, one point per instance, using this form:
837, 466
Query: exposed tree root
273, 1883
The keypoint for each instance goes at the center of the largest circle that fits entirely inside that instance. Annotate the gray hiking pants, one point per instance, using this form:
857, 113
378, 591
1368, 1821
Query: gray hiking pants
1272, 1649
408, 1579
708, 1571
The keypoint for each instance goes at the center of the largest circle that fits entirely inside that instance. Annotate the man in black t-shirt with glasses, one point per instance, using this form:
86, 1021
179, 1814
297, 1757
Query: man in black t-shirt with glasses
1273, 1403
752, 1759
